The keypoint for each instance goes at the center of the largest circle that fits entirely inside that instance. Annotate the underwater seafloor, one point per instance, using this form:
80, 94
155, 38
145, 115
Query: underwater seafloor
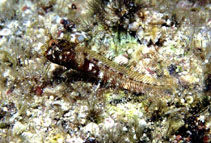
42, 102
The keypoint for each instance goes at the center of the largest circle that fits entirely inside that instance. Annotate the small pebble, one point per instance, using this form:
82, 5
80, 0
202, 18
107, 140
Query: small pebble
133, 26
122, 60
5, 32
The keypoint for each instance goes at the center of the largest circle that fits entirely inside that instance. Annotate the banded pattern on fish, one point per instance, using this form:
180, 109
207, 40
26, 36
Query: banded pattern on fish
71, 55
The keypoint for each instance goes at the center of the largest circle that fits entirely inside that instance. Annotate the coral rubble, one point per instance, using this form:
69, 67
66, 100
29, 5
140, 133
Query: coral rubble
45, 102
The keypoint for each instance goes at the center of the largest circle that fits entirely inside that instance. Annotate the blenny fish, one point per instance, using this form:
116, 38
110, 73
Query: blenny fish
74, 56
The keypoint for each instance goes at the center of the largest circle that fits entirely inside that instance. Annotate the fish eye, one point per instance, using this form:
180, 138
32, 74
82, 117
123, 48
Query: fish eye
52, 42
